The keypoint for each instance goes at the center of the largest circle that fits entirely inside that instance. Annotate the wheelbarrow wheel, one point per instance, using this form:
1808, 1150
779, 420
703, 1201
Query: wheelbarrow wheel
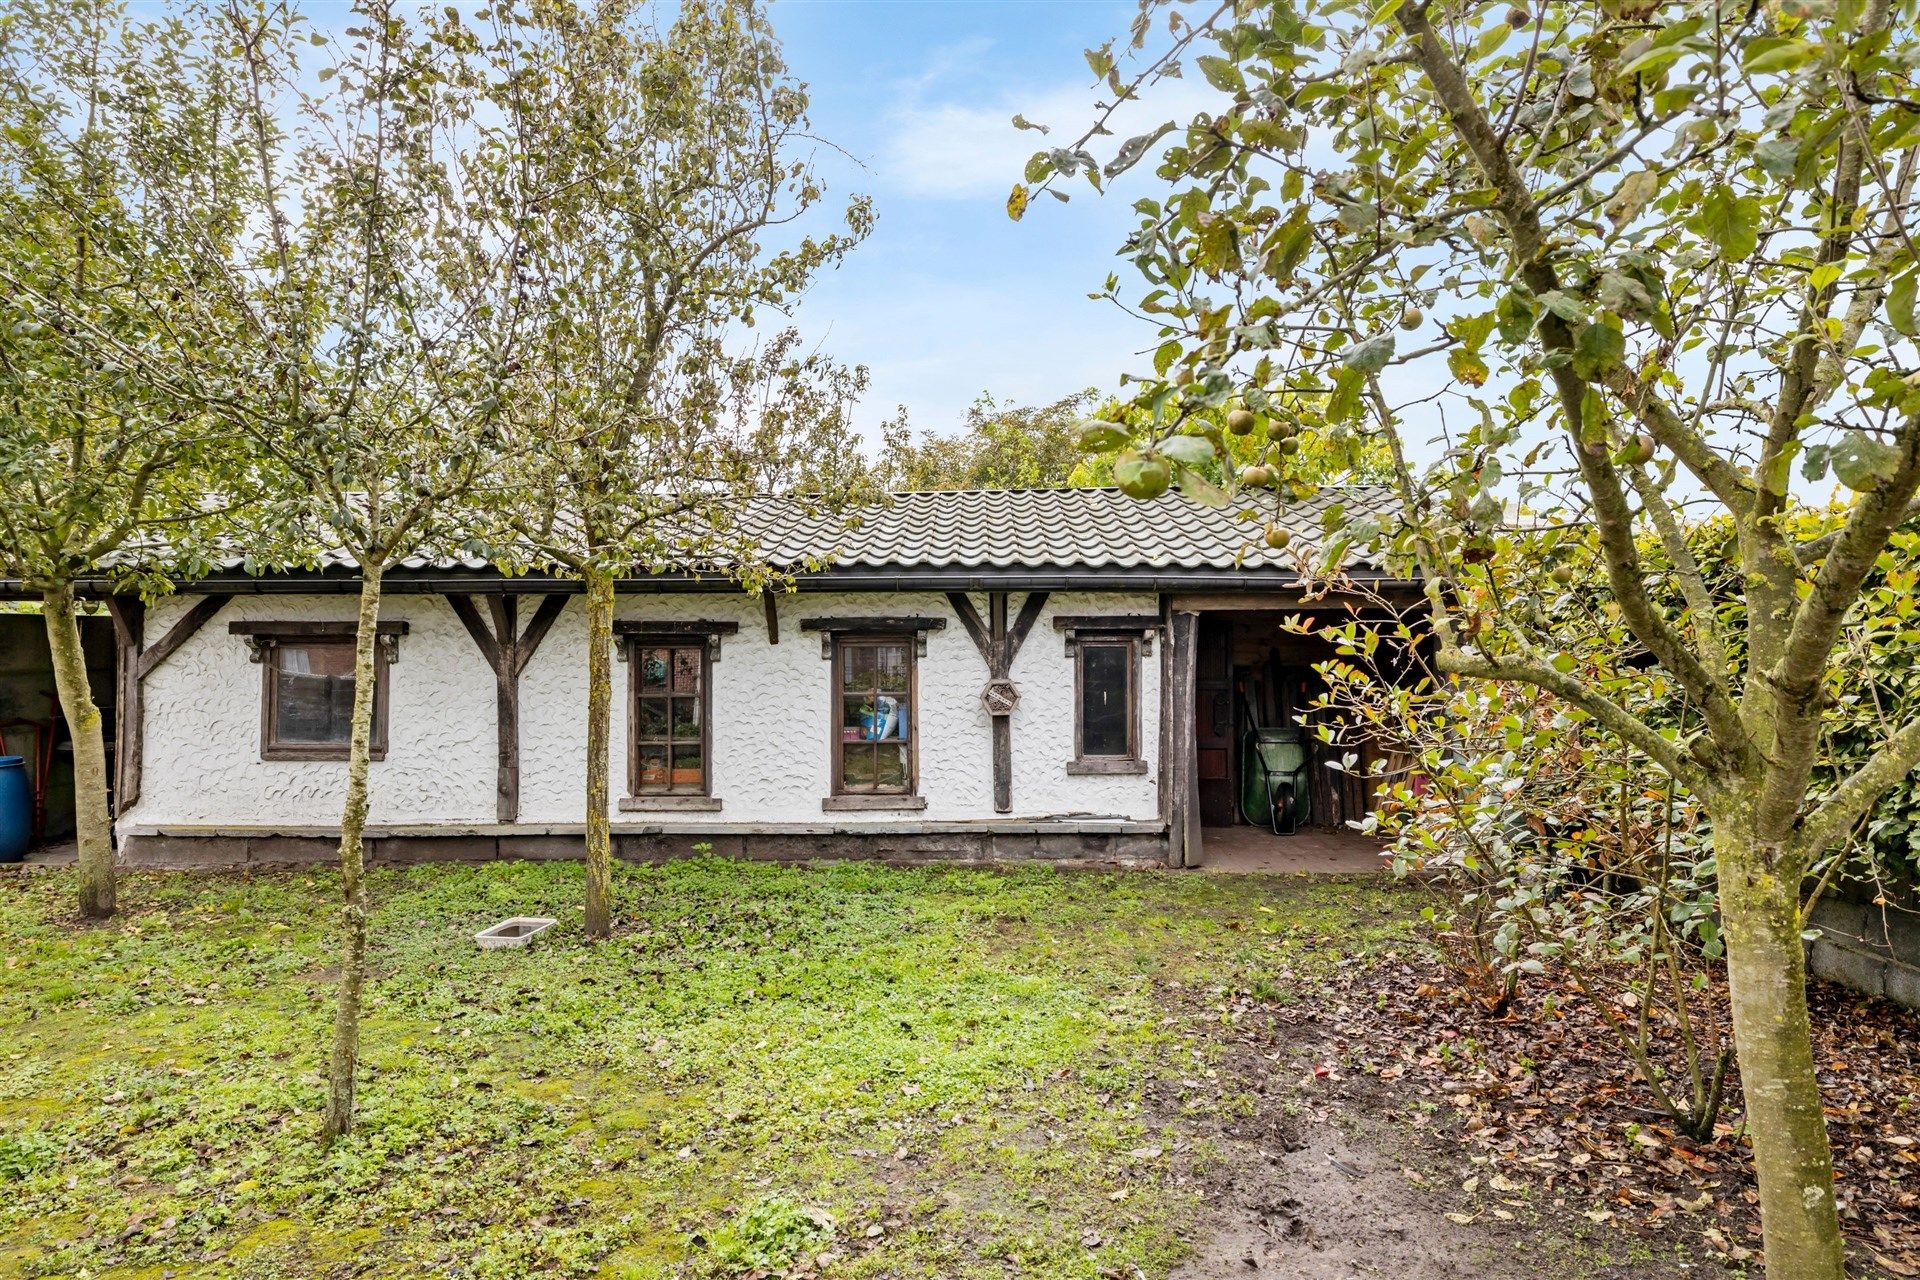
1280, 802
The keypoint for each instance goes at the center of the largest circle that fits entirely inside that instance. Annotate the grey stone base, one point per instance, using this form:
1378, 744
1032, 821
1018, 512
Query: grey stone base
1870, 948
1118, 845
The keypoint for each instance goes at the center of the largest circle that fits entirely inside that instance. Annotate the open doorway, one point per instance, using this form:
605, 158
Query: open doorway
1270, 792
31, 725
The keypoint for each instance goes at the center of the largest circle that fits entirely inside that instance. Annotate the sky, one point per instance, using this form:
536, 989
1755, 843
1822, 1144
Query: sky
949, 298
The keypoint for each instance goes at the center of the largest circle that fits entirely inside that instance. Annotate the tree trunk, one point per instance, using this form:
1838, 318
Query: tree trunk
353, 871
93, 822
1766, 969
599, 718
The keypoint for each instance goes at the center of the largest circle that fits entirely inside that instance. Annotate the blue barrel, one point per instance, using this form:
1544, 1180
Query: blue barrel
16, 809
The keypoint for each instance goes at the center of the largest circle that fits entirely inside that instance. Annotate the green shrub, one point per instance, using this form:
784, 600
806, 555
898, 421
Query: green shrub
768, 1235
24, 1154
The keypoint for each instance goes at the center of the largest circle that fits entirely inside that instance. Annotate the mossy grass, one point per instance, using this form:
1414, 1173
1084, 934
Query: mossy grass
957, 1053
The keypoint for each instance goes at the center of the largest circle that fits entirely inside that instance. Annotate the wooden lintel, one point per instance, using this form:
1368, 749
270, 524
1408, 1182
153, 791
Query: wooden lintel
305, 630
1107, 622
642, 627
878, 624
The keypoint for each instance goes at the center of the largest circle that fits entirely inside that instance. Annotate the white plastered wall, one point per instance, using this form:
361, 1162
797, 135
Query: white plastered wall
770, 705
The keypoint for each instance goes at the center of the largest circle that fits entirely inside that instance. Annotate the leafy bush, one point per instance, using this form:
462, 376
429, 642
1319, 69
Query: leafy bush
24, 1154
1556, 849
767, 1235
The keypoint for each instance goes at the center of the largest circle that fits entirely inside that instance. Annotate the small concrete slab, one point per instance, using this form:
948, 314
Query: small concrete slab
515, 931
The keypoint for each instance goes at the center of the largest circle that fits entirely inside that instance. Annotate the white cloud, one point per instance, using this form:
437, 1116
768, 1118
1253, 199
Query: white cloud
942, 147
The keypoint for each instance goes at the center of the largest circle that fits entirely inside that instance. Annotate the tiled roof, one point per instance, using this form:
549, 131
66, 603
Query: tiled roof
1057, 528
1023, 529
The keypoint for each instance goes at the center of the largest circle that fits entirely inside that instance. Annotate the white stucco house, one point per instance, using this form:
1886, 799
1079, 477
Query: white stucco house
974, 675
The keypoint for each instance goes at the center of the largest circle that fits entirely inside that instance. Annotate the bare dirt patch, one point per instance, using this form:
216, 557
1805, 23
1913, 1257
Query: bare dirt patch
1371, 1125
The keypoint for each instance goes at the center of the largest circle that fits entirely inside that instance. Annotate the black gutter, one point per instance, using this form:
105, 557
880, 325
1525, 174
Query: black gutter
967, 578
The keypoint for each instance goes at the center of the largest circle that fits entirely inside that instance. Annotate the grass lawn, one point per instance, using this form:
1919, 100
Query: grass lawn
946, 1066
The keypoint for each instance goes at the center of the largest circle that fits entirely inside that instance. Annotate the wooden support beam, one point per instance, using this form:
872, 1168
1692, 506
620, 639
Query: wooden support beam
507, 651
999, 645
133, 664
773, 616
129, 633
1178, 766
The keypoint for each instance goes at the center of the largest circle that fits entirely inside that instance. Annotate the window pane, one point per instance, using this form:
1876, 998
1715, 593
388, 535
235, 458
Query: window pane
1103, 699
653, 717
313, 693
686, 670
890, 717
653, 669
856, 664
687, 774
890, 770
891, 663
856, 770
653, 766
872, 717
686, 719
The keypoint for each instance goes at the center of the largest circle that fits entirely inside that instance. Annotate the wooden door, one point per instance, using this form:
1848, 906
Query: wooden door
1214, 749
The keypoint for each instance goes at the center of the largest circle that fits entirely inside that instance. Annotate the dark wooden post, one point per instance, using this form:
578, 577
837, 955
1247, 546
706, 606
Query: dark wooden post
129, 634
507, 651
134, 663
999, 645
1178, 770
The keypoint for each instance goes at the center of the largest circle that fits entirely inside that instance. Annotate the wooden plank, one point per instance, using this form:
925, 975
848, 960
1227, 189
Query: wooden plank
129, 713
772, 608
877, 624
1106, 622
1002, 763
309, 630
641, 627
197, 616
1183, 796
999, 658
505, 612
506, 714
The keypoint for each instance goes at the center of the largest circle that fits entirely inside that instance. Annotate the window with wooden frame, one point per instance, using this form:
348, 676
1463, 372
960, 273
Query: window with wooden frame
306, 698
876, 716
1106, 704
670, 752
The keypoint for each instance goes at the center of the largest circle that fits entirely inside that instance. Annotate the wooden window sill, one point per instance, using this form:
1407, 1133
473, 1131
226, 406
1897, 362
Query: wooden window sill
1099, 765
309, 755
669, 804
852, 804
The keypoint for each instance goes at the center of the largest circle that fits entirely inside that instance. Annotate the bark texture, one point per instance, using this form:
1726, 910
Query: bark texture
353, 869
599, 720
93, 822
1766, 970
